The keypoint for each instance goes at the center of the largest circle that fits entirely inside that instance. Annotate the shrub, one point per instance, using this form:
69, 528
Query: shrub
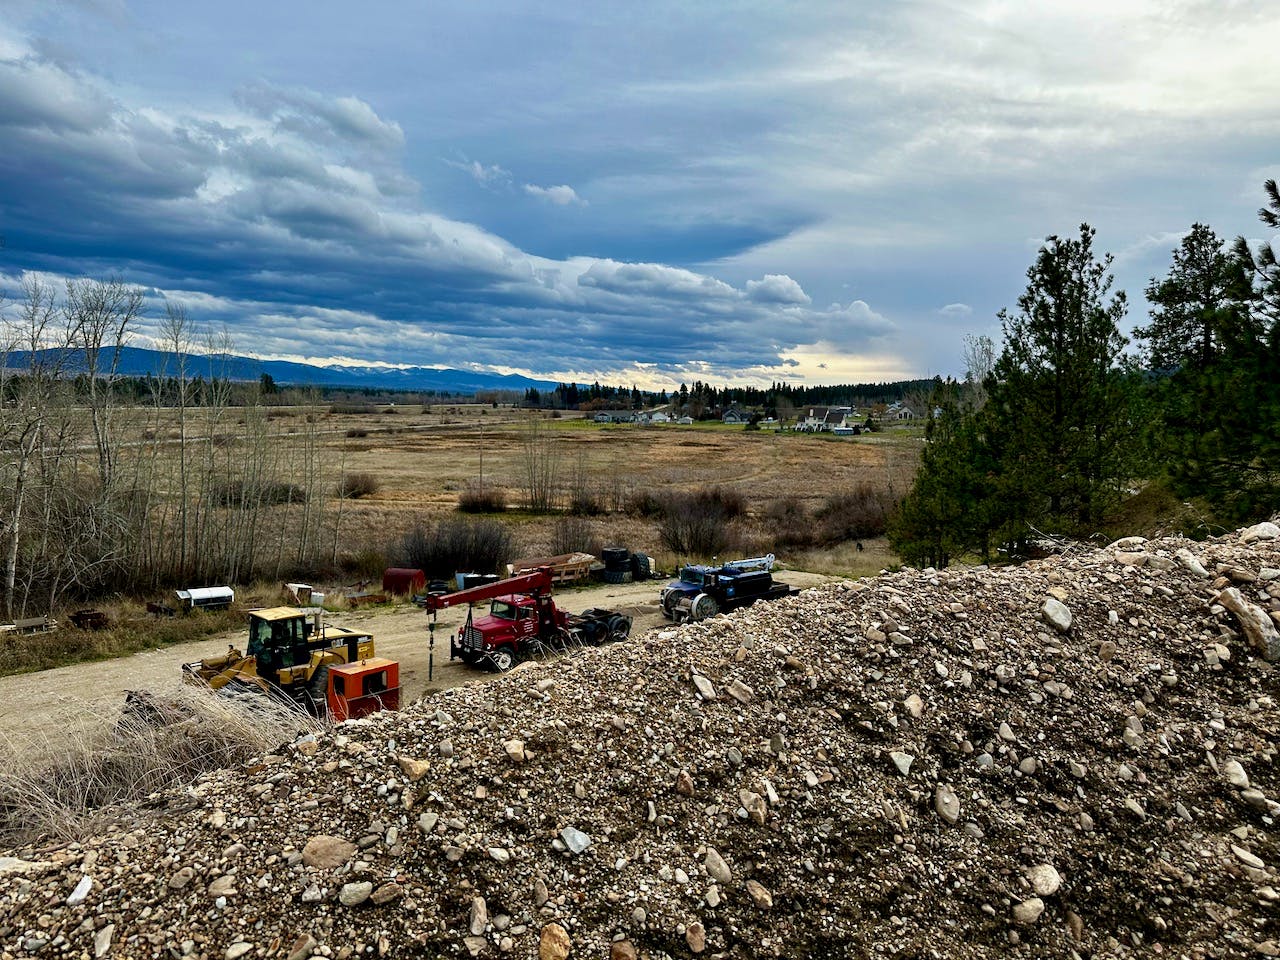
238, 493
455, 544
353, 486
723, 501
643, 503
695, 525
789, 524
357, 432
477, 499
574, 535
858, 513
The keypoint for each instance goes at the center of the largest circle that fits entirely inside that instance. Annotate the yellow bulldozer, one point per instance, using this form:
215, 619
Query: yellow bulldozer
289, 656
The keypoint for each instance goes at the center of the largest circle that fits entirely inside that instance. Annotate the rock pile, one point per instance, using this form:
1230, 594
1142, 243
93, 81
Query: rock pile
1073, 757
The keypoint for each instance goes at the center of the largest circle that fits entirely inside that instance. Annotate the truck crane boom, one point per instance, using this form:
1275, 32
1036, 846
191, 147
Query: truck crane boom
534, 584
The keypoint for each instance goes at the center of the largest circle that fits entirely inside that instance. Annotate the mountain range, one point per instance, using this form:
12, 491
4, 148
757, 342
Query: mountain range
142, 362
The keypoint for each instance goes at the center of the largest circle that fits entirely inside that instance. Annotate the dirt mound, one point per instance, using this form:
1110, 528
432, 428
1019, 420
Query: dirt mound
1073, 756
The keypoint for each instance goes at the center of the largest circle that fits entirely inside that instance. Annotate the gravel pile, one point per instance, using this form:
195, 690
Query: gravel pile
1072, 757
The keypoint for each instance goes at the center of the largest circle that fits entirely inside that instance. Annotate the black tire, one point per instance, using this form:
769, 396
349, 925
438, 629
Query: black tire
615, 576
616, 559
318, 691
704, 607
503, 659
640, 568
669, 601
619, 628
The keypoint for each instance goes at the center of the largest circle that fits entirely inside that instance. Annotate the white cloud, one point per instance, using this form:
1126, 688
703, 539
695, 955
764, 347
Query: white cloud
956, 311
490, 176
776, 288
561, 196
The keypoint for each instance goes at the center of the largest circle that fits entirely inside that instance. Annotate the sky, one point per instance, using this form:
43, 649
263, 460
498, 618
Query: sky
735, 192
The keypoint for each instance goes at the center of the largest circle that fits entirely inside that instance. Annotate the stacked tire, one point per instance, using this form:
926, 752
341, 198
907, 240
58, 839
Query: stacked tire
641, 566
617, 564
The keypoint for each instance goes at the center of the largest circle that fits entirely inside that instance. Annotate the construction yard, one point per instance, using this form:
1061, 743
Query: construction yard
34, 713
1074, 757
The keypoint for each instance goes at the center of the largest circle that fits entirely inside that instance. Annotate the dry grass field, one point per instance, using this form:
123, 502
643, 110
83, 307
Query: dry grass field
422, 466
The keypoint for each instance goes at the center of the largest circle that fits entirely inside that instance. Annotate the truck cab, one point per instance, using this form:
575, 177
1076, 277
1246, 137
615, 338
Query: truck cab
702, 591
513, 623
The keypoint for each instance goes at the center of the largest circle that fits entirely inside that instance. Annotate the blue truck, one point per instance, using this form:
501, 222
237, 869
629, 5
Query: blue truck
703, 591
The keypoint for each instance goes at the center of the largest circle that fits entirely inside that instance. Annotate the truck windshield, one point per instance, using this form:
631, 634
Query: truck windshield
503, 610
691, 575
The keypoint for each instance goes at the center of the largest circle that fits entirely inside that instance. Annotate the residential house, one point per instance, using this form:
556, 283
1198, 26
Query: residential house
734, 415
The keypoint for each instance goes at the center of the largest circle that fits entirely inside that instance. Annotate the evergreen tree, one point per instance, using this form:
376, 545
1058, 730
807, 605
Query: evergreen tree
1060, 395
1197, 305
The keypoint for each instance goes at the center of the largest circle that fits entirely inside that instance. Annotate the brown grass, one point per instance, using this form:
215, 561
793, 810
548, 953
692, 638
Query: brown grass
87, 773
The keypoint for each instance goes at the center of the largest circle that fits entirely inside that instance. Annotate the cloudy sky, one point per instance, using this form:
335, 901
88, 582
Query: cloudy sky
636, 192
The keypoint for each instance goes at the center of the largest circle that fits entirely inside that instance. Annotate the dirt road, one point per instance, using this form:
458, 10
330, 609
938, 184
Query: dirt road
34, 707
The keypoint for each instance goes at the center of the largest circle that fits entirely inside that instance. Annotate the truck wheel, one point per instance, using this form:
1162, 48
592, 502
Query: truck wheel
669, 601
619, 628
704, 607
502, 659
318, 691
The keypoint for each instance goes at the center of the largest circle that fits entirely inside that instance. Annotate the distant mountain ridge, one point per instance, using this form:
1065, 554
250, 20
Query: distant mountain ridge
143, 362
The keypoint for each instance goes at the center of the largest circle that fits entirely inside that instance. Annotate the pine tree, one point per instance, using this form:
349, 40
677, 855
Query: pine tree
1061, 395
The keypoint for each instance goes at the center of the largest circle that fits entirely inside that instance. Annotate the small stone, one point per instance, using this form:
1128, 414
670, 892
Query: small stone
181, 878
740, 692
500, 855
684, 784
540, 895
387, 893
354, 894
1258, 627
706, 689
1006, 732
717, 869
713, 897
575, 839
1234, 774
554, 943
1044, 879
445, 749
415, 770
1056, 614
223, 886
695, 936
914, 706
427, 821
622, 950
946, 803
1247, 858
759, 895
1134, 807
302, 948
1028, 911
102, 940
479, 917
237, 950
81, 891
515, 750
326, 852
902, 761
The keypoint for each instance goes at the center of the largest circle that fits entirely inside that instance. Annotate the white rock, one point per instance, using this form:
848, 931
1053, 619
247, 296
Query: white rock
1056, 614
1028, 911
575, 839
1258, 627
1260, 531
902, 761
1044, 879
1234, 774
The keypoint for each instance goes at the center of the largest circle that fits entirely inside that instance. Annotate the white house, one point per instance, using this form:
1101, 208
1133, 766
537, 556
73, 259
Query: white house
659, 417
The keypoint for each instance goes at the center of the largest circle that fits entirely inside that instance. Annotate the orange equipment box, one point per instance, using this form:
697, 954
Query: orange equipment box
364, 687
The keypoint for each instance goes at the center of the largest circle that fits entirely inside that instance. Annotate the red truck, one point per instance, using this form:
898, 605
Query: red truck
523, 621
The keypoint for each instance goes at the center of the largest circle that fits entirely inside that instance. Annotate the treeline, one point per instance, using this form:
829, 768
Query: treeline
1053, 433
705, 399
